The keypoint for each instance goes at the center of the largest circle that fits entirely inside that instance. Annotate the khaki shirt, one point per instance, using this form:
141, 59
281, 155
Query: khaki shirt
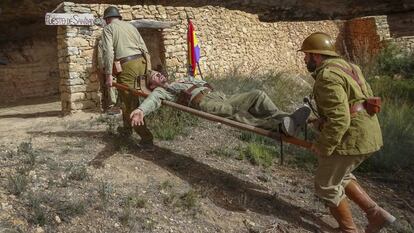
334, 92
153, 101
120, 39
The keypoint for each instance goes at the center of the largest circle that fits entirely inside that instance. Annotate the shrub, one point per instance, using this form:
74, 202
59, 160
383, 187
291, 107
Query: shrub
394, 90
398, 135
77, 172
166, 123
286, 90
259, 154
393, 60
17, 184
40, 214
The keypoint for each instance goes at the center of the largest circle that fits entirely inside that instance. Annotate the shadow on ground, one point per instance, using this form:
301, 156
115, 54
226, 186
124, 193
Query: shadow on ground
224, 189
33, 115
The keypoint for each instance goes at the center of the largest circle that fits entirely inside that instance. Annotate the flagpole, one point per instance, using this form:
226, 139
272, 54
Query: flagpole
199, 70
188, 46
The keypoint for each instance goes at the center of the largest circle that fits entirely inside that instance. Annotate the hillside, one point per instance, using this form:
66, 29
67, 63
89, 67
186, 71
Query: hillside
83, 179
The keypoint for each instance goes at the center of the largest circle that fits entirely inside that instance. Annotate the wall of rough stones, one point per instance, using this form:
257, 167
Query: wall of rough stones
363, 37
230, 39
32, 70
401, 29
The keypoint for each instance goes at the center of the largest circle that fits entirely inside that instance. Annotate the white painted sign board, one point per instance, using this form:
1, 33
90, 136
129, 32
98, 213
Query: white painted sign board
69, 19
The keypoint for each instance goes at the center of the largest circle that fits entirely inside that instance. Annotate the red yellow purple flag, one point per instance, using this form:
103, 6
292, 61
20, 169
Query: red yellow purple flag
193, 50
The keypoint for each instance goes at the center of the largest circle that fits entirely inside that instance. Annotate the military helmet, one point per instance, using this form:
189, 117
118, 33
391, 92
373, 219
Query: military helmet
111, 11
320, 43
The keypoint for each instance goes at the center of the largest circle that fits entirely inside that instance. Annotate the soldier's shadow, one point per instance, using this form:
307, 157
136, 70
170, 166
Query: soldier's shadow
229, 191
224, 189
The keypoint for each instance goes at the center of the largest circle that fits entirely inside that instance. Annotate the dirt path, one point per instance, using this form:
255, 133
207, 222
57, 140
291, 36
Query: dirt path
78, 178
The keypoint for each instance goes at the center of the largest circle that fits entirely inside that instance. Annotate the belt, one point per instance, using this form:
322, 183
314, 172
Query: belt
356, 108
122, 60
196, 100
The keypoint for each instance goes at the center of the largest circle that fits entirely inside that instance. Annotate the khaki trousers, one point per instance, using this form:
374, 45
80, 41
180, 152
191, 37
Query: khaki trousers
253, 108
333, 175
130, 71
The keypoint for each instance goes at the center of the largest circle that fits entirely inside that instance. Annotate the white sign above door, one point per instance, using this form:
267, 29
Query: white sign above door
70, 19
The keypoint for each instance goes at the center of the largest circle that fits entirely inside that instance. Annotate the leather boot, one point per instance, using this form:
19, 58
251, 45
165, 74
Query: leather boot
343, 216
377, 216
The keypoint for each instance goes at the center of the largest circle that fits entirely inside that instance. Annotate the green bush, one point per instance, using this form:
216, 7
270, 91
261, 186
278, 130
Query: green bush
393, 60
395, 90
17, 184
398, 134
392, 79
259, 154
166, 123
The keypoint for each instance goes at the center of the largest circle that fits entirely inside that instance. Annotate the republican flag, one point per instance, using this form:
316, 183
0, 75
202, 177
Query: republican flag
193, 49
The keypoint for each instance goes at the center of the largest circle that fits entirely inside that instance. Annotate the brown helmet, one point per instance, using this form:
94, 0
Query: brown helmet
319, 43
111, 11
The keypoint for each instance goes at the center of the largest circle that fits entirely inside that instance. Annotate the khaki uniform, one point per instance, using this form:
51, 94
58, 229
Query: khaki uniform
345, 141
112, 93
254, 108
121, 39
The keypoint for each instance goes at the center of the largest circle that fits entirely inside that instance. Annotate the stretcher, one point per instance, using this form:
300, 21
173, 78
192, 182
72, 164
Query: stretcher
271, 134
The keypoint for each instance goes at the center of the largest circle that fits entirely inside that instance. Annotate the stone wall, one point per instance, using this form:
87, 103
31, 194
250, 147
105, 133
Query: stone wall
32, 70
229, 39
401, 29
363, 37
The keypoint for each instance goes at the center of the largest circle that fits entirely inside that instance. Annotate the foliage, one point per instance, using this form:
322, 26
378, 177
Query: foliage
77, 172
393, 90
166, 123
259, 154
398, 135
393, 60
17, 184
284, 89
394, 69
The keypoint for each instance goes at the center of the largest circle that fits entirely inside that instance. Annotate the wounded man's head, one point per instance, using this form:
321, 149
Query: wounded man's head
155, 79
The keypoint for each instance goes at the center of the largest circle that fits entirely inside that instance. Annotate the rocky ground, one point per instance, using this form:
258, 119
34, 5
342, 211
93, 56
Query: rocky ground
68, 174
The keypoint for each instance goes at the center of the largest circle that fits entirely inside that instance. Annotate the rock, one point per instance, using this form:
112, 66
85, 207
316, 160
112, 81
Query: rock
57, 219
6, 206
39, 230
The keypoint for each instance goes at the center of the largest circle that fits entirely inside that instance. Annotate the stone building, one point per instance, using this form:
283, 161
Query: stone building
62, 60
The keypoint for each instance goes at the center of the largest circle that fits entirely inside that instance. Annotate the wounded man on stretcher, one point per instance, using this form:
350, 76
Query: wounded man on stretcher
254, 108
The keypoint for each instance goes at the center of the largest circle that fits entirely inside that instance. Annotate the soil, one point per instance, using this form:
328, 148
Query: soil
84, 179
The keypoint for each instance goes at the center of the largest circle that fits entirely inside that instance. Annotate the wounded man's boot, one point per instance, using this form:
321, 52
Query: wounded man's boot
377, 216
292, 124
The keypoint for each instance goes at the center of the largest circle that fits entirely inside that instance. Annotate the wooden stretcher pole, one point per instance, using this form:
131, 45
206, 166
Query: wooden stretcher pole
208, 116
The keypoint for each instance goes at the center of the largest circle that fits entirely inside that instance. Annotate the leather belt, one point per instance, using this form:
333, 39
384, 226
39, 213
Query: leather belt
196, 100
129, 58
356, 108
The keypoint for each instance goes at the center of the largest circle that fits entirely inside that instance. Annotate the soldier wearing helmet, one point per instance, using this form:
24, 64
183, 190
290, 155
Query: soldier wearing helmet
125, 55
349, 133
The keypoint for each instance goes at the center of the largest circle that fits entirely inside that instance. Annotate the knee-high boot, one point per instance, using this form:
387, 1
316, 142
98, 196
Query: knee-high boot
377, 216
343, 216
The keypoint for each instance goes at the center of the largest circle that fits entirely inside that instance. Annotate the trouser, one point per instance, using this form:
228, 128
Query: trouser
253, 108
333, 175
112, 96
130, 71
